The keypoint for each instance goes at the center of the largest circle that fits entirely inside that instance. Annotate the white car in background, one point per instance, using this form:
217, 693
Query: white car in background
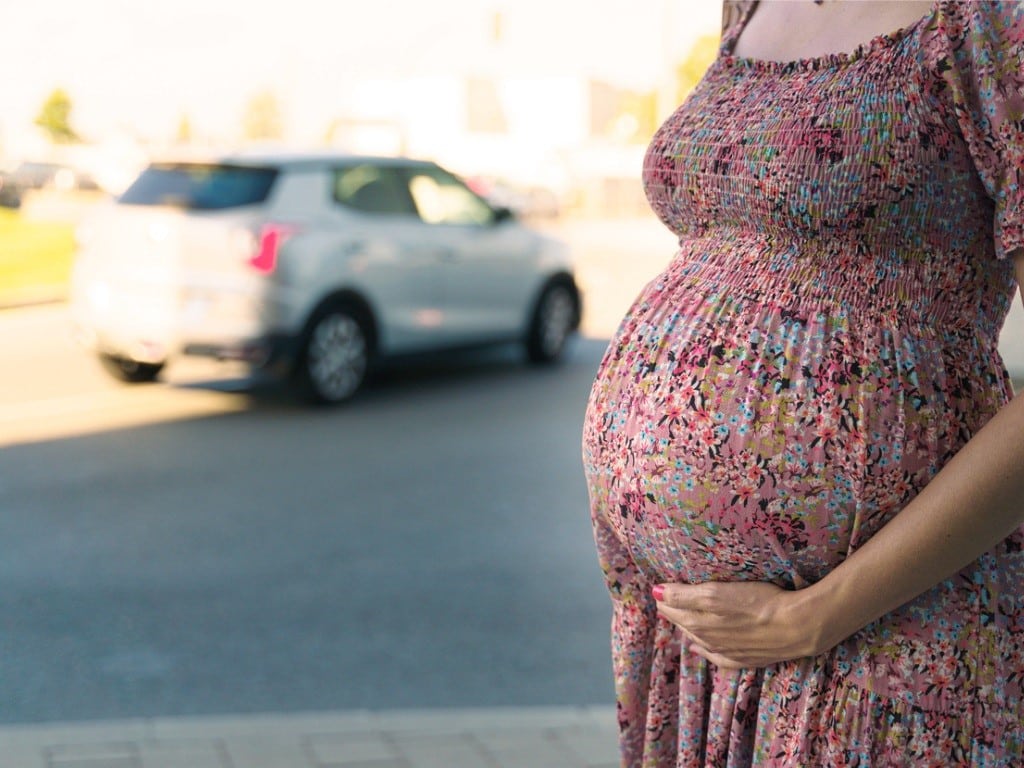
312, 267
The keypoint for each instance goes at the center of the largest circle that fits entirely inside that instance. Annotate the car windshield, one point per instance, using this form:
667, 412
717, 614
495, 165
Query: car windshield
203, 187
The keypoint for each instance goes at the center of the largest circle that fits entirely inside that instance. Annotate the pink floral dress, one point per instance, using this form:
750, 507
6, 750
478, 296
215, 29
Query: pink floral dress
822, 343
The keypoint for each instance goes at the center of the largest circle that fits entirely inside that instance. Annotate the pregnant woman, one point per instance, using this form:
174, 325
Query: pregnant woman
805, 465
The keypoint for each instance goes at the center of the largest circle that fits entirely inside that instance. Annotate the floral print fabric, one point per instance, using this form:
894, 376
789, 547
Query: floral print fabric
822, 343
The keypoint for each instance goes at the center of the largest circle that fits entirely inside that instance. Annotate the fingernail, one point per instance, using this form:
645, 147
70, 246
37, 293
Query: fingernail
658, 592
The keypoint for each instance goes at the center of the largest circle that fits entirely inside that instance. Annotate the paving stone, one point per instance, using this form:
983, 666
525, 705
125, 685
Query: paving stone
49, 734
533, 756
22, 757
456, 721
268, 752
188, 755
213, 727
593, 746
526, 749
120, 754
352, 750
566, 737
441, 752
603, 717
510, 738
290, 725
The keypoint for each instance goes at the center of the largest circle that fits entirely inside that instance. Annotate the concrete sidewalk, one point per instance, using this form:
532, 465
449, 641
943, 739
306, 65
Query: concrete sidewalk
558, 737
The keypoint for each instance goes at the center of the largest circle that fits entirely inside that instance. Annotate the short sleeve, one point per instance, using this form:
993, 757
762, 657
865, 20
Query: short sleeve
976, 51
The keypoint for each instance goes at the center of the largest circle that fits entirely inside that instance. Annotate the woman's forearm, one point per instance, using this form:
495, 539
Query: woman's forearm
974, 502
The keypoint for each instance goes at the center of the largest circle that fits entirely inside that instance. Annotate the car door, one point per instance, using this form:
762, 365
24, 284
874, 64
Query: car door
487, 261
385, 255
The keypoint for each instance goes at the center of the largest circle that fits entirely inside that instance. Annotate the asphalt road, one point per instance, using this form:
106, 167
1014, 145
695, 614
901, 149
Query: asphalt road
203, 546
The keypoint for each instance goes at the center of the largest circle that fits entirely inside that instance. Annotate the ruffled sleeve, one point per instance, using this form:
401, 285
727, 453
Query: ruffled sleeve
975, 51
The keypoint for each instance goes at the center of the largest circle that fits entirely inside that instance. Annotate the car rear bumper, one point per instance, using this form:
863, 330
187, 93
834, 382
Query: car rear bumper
141, 346
266, 351
157, 326
275, 351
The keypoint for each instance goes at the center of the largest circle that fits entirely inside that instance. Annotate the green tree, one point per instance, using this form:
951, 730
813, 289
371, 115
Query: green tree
55, 118
692, 68
262, 120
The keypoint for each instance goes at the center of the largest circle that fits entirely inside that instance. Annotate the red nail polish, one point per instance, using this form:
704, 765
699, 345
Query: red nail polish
658, 592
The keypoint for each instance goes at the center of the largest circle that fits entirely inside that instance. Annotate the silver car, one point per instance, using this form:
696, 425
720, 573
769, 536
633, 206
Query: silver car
312, 267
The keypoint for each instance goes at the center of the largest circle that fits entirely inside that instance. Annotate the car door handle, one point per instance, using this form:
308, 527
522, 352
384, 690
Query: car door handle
447, 254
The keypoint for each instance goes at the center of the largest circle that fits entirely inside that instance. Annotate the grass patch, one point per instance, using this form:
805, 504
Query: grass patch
35, 258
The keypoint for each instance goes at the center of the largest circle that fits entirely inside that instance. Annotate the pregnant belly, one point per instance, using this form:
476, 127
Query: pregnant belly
738, 441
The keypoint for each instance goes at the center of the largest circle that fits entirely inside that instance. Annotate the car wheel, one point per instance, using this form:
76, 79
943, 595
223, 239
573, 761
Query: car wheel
335, 356
131, 371
554, 319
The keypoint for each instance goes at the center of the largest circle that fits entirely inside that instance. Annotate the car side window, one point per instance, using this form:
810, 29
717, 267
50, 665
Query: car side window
442, 199
372, 189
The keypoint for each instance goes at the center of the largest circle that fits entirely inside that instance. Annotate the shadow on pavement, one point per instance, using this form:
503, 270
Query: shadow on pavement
410, 376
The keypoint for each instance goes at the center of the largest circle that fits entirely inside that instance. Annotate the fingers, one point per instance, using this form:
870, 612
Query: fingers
688, 638
683, 596
695, 622
690, 629
690, 644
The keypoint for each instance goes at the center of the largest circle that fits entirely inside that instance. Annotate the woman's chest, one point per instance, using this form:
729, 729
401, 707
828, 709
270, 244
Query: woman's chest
853, 148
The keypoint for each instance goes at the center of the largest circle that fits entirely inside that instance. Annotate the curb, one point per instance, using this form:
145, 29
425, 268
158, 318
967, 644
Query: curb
534, 737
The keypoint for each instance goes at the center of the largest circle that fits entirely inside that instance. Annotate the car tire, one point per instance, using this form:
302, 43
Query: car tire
553, 321
128, 370
335, 354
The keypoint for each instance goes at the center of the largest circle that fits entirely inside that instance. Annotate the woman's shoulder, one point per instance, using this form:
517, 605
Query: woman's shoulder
978, 11
734, 11
976, 34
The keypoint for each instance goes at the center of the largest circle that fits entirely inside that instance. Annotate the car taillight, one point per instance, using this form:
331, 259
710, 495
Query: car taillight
271, 238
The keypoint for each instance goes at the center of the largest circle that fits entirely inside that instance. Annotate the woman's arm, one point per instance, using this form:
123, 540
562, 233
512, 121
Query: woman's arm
974, 502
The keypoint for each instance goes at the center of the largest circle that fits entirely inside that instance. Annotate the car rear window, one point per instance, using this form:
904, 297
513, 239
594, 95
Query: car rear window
203, 187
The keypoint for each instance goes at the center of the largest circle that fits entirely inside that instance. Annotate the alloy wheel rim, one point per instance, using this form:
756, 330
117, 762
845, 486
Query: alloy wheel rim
337, 356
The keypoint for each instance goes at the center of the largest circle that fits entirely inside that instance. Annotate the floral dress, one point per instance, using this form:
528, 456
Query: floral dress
822, 343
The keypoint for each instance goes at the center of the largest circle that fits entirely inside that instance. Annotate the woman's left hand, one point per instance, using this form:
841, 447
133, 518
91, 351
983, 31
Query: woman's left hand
743, 624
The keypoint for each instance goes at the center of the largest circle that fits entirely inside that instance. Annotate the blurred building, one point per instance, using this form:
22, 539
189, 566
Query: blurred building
580, 140
510, 104
554, 101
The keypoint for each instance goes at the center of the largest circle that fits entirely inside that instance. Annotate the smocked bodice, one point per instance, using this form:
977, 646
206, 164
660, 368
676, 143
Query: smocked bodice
843, 179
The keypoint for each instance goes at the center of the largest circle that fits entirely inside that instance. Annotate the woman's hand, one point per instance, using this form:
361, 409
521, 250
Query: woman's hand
743, 624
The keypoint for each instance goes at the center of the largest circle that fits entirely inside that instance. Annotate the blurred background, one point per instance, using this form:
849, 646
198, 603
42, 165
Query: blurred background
554, 102
205, 544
